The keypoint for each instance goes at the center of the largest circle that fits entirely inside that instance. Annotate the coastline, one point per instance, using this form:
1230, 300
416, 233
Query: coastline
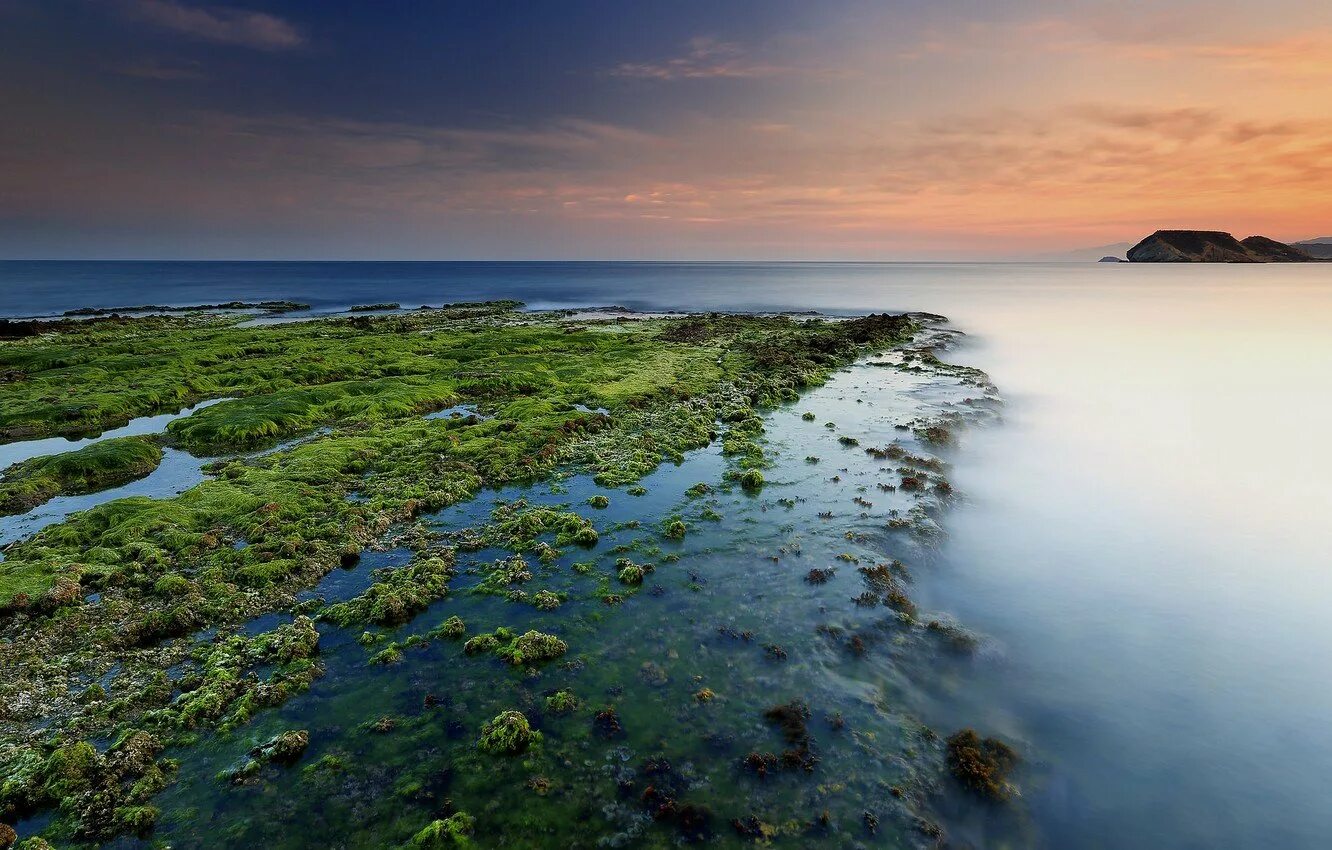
648, 419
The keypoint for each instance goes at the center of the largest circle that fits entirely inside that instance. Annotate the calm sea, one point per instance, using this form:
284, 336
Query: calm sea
1145, 541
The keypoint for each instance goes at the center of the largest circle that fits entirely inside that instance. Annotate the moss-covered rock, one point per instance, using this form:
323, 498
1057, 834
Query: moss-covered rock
454, 831
508, 734
99, 466
561, 702
751, 480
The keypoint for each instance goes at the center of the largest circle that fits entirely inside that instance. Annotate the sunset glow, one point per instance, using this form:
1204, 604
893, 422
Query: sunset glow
759, 130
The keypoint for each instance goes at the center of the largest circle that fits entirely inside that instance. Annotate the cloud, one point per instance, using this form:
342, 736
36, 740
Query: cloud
1020, 179
152, 69
220, 24
705, 58
1309, 54
1165, 37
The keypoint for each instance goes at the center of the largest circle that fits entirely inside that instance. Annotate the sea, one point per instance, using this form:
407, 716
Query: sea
1143, 540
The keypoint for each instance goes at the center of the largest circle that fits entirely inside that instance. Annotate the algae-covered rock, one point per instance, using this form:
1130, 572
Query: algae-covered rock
533, 647
546, 600
398, 596
507, 734
285, 748
981, 765
99, 466
751, 480
451, 629
631, 574
561, 702
480, 645
264, 530
453, 831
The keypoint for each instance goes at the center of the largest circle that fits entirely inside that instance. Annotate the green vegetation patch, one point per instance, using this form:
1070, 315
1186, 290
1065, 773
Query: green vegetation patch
99, 466
131, 585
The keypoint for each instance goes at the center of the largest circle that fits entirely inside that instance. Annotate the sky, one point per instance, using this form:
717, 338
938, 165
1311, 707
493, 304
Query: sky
726, 129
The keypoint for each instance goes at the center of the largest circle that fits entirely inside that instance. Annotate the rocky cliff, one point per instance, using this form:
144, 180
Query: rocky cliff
1212, 246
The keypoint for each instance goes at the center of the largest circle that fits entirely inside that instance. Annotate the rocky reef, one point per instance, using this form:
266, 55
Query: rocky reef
163, 660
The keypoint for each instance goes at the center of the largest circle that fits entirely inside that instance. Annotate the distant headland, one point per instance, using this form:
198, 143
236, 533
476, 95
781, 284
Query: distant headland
1214, 246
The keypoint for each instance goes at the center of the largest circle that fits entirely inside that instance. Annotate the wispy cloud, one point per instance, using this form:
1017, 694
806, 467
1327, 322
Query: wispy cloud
153, 69
705, 58
1307, 54
1169, 39
220, 24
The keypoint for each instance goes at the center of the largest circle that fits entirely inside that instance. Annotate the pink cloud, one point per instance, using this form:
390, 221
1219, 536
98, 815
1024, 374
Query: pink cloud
220, 24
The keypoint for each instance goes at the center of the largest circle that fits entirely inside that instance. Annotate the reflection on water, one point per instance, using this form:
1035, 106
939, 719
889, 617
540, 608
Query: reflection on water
177, 473
725, 627
12, 453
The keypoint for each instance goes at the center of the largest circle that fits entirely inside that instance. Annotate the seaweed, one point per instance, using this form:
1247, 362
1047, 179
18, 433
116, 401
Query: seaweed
507, 734
355, 391
981, 765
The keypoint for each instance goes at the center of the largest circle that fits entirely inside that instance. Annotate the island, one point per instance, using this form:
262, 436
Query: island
1213, 246
1319, 248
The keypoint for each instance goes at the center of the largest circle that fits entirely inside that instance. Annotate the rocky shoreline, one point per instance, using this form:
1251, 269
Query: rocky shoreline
130, 630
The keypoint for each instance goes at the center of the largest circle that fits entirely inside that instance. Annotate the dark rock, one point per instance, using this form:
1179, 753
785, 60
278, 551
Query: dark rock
1211, 246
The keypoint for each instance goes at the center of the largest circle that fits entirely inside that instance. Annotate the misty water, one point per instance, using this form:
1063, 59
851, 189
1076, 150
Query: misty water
1143, 540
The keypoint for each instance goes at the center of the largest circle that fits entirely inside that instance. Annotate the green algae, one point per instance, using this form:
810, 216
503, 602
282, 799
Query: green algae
166, 568
98, 466
397, 595
453, 831
451, 629
751, 480
507, 734
562, 702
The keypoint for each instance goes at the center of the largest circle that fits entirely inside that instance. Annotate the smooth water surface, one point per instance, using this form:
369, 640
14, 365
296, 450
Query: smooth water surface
12, 453
1145, 541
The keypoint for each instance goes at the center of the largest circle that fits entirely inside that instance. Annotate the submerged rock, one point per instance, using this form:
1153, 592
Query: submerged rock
284, 748
981, 765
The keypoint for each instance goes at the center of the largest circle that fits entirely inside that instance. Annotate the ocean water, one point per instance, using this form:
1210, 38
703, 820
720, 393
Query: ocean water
1143, 541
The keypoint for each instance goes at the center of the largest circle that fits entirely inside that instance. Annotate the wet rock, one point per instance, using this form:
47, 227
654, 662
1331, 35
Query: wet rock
752, 827
653, 675
285, 748
606, 723
759, 763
